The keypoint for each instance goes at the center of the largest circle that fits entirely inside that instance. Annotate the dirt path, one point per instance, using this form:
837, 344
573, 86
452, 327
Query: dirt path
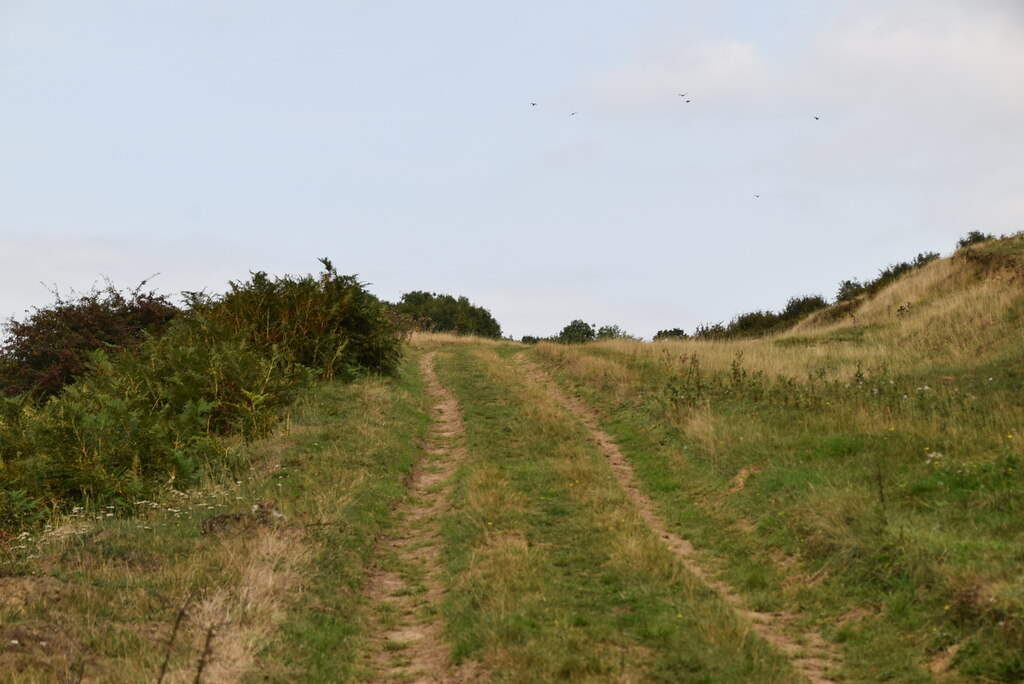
407, 643
810, 654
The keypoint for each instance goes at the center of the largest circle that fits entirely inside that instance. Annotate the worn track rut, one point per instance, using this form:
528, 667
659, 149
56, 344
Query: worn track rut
407, 643
809, 653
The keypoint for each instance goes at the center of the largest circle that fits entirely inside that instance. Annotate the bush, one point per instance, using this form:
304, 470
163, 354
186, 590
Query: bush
850, 290
50, 349
709, 331
671, 334
612, 332
577, 332
152, 414
972, 238
445, 313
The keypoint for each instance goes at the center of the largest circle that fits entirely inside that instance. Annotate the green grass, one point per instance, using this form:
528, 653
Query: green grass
554, 576
106, 593
848, 489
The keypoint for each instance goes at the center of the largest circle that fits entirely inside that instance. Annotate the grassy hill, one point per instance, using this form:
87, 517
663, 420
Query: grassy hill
843, 501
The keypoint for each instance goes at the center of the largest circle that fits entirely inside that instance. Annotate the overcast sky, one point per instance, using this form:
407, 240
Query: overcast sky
204, 139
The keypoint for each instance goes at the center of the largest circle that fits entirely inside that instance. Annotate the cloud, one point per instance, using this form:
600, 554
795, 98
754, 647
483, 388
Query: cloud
950, 60
947, 59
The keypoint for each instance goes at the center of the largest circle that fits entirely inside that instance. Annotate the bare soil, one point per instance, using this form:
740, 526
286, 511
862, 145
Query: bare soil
408, 643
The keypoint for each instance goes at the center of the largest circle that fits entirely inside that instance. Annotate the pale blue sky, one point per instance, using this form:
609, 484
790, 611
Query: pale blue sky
204, 139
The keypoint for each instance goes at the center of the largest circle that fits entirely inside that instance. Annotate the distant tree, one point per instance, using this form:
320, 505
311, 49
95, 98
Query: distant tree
612, 332
577, 332
799, 307
753, 324
445, 313
849, 290
709, 331
973, 238
529, 339
671, 334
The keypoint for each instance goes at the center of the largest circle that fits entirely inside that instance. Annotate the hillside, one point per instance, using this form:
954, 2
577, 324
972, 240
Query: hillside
840, 502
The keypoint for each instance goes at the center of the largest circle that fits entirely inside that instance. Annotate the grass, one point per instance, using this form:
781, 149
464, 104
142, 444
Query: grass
863, 475
281, 596
883, 489
555, 577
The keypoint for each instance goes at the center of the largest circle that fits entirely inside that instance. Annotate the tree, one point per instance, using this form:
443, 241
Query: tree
612, 332
445, 313
973, 238
671, 334
577, 332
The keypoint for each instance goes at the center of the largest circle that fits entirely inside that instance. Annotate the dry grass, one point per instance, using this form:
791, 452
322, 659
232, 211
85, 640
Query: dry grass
419, 341
245, 616
949, 316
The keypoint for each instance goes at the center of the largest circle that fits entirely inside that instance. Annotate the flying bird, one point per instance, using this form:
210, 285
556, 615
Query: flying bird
683, 94
573, 113
533, 104
816, 118
756, 196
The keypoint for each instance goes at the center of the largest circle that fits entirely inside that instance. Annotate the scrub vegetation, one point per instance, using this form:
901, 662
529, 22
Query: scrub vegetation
447, 314
248, 492
157, 391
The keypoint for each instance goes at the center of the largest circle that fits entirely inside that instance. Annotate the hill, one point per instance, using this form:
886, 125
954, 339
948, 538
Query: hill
841, 501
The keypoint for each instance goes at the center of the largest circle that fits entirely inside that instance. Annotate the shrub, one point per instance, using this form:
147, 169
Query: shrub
799, 307
152, 414
328, 323
612, 332
709, 331
445, 313
50, 349
973, 238
671, 334
577, 332
850, 290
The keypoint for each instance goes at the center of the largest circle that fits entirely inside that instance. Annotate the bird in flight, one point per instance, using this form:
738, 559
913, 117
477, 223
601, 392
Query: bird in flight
756, 196
683, 94
573, 113
533, 104
817, 118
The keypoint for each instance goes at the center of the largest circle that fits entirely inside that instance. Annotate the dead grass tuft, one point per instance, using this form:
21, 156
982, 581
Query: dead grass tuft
243, 618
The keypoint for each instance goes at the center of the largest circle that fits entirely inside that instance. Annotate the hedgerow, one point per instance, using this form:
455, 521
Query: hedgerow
139, 418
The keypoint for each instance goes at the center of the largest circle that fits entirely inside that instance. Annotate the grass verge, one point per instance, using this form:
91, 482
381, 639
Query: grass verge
257, 579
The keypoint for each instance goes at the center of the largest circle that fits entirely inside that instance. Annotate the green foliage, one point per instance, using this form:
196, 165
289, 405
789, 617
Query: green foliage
50, 349
445, 313
151, 415
671, 334
760, 323
577, 332
18, 509
972, 238
709, 331
613, 332
328, 323
851, 290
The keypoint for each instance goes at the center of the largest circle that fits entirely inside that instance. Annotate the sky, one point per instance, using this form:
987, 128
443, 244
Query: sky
187, 143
